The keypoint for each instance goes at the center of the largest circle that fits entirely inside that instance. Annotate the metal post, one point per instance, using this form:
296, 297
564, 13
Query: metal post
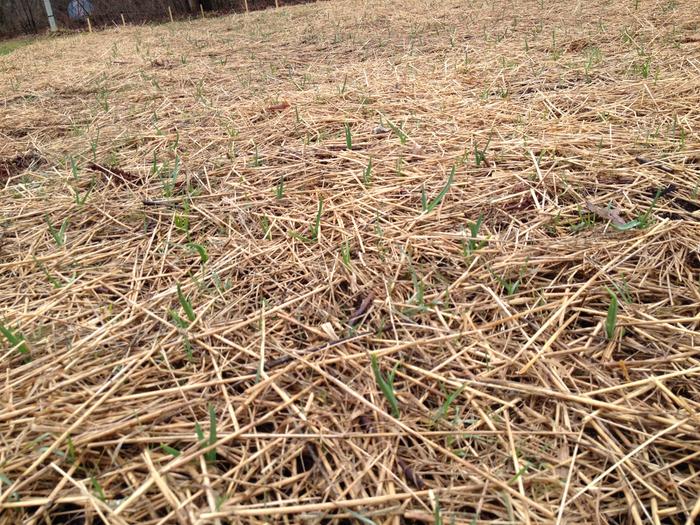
49, 13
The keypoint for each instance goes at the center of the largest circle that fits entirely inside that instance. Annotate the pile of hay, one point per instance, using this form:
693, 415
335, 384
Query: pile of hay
387, 262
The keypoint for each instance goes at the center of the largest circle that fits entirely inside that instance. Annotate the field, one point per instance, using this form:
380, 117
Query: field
383, 262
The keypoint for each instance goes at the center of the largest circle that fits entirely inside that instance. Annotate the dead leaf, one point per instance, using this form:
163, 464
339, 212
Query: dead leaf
609, 214
364, 307
279, 107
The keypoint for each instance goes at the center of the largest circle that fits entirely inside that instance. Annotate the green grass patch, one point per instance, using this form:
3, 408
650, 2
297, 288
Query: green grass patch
8, 46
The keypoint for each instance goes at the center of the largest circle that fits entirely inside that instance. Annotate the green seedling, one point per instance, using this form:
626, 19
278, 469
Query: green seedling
386, 384
437, 513
362, 518
611, 319
55, 282
186, 304
175, 144
171, 178
642, 221
348, 136
257, 161
59, 236
201, 250
266, 227
367, 173
418, 289
70, 454
182, 223
101, 97
587, 220
623, 289
508, 285
518, 474
182, 220
472, 245
313, 236
430, 206
445, 407
93, 146
209, 456
398, 131
15, 338
221, 286
80, 200
279, 190
170, 450
480, 154
345, 252
74, 168
98, 489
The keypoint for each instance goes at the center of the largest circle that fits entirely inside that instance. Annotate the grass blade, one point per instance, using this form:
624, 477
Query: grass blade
611, 320
16, 339
386, 385
437, 200
186, 304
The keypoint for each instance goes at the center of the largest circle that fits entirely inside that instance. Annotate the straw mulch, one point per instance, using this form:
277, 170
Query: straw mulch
202, 153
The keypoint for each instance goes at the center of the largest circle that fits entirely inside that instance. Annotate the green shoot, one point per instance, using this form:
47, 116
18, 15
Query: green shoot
508, 285
398, 131
472, 244
642, 221
348, 136
186, 304
93, 146
71, 450
279, 191
15, 338
182, 220
209, 456
98, 489
345, 252
170, 450
611, 319
430, 206
361, 518
201, 250
386, 385
315, 230
442, 411
266, 227
80, 200
257, 161
518, 474
171, 179
182, 223
59, 236
399, 167
623, 289
74, 168
367, 173
644, 218
437, 513
55, 282
480, 154
419, 289
317, 223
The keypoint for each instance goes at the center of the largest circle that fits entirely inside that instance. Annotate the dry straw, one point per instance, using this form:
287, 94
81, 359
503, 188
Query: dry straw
387, 262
